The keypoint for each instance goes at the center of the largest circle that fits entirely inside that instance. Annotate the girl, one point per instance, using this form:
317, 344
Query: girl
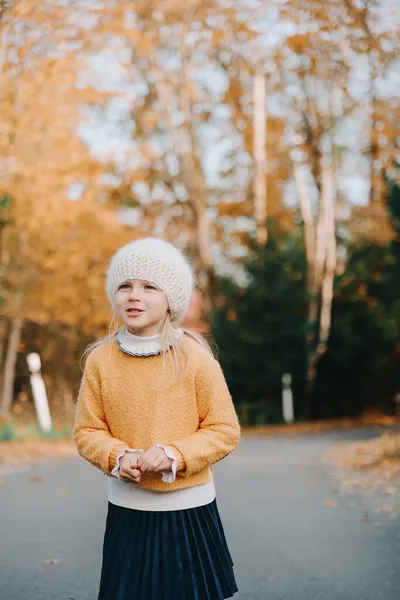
154, 413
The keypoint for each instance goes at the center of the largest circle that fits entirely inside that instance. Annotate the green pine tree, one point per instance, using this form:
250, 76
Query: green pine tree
260, 330
362, 363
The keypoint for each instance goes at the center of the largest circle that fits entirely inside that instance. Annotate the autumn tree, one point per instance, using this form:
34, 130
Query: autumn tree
50, 249
175, 81
323, 102
191, 123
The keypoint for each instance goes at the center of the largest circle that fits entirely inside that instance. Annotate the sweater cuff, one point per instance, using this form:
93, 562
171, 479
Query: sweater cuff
181, 466
113, 457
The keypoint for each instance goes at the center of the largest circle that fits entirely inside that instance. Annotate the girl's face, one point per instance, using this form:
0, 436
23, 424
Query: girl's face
142, 306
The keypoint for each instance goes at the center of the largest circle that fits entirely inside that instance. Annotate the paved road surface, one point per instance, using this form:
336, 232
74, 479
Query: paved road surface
287, 544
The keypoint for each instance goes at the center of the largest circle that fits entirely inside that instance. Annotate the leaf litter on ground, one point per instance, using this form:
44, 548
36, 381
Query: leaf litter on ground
371, 470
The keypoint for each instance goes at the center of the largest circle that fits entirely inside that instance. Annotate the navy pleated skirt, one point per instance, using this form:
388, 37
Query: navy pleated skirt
171, 555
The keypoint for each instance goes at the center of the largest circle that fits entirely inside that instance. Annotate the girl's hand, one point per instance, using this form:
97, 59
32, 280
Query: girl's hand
154, 459
128, 468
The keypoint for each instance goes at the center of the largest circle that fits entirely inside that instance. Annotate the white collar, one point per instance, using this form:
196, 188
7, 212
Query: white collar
137, 345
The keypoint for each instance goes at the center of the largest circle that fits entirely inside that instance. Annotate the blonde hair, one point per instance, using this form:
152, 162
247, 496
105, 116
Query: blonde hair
174, 355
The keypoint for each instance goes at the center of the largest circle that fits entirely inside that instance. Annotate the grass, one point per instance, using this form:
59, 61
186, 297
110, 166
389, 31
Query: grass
10, 431
19, 453
21, 444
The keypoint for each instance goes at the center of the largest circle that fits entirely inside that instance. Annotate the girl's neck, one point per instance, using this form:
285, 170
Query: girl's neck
138, 336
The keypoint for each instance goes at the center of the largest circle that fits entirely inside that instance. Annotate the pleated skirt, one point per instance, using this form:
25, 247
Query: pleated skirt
170, 555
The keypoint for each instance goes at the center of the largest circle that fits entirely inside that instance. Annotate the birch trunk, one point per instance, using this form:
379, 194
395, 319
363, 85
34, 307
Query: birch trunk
3, 339
308, 219
321, 254
331, 259
9, 367
327, 274
260, 162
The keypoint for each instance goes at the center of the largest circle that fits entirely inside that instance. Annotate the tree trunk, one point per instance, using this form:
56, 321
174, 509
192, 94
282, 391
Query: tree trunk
308, 219
3, 338
321, 305
9, 367
320, 249
377, 182
260, 162
316, 261
331, 260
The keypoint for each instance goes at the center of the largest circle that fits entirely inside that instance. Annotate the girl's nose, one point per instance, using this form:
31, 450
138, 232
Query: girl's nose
135, 293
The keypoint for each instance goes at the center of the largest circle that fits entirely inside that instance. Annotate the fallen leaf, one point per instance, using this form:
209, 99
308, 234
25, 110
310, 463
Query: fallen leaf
35, 478
51, 561
330, 503
390, 489
386, 508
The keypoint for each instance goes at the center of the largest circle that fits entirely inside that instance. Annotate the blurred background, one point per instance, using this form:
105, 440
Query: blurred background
260, 137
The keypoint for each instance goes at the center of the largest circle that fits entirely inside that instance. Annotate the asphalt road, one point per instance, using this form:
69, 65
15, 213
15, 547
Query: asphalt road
296, 530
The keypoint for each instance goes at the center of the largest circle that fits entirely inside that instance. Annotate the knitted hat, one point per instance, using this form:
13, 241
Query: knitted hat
156, 261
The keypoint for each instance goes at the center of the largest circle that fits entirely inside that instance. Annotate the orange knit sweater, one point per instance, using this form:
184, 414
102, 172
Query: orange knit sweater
117, 409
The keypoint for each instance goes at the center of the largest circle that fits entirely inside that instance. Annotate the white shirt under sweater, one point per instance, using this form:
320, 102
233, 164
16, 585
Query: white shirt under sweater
128, 495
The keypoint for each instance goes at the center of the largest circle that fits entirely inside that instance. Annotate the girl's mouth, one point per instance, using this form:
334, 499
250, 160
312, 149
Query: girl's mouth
134, 311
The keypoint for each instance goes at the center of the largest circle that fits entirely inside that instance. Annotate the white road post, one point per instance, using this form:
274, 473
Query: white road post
39, 392
287, 398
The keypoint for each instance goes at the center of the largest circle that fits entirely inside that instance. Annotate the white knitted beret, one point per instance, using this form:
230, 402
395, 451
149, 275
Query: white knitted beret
157, 261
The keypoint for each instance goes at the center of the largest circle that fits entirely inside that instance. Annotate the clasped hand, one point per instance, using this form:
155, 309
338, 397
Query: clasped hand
132, 465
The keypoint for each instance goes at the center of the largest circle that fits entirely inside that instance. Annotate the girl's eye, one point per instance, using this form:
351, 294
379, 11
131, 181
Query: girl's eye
123, 286
151, 287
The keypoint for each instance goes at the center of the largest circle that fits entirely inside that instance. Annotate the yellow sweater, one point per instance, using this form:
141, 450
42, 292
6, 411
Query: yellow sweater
116, 409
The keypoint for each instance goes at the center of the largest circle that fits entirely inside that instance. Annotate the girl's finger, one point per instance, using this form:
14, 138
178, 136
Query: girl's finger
150, 468
126, 475
159, 464
151, 460
144, 460
152, 464
143, 467
164, 466
136, 476
148, 460
133, 462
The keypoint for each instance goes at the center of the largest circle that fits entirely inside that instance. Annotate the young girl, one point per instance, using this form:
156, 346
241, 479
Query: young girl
154, 413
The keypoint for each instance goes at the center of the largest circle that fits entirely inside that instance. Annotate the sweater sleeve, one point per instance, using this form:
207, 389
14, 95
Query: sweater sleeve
91, 432
219, 429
